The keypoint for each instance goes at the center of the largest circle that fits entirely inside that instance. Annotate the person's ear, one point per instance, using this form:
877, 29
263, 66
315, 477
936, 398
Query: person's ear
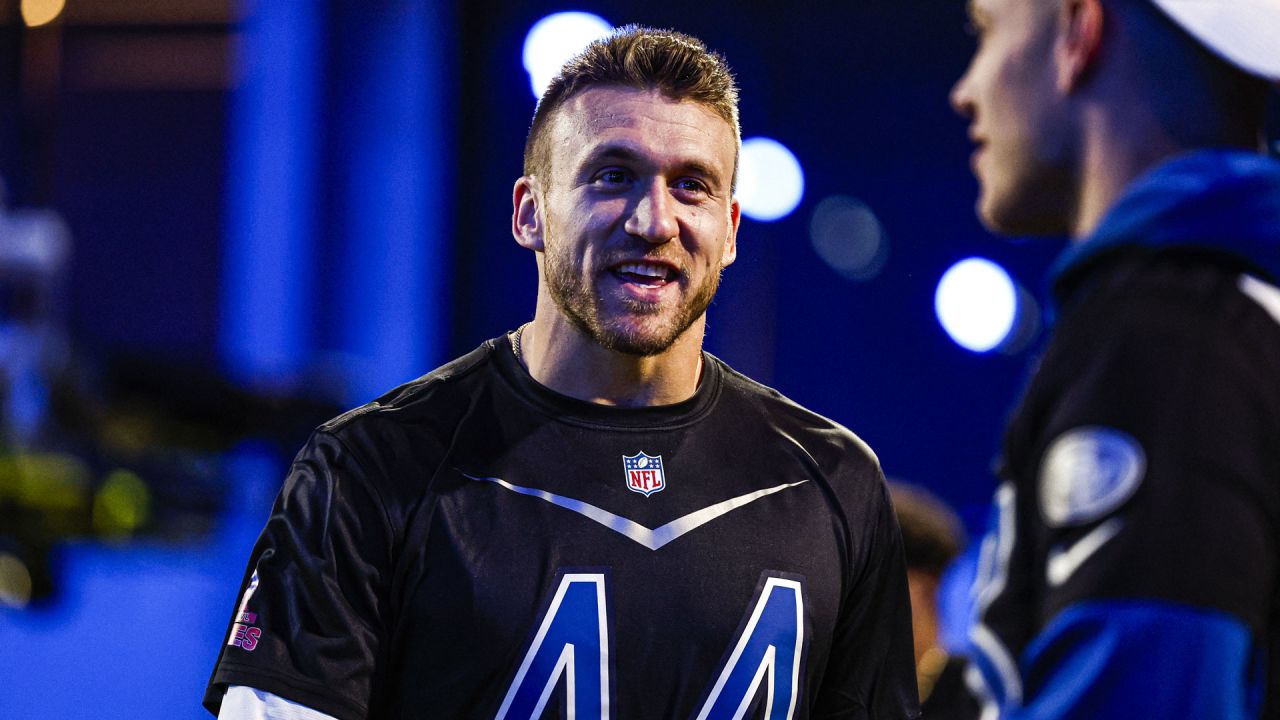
1079, 42
730, 251
528, 225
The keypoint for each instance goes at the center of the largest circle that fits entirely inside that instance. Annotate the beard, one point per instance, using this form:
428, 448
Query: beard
641, 328
1031, 185
1037, 200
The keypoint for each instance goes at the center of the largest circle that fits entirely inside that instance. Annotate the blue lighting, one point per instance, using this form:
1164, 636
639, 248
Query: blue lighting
556, 38
265, 331
977, 303
392, 239
333, 265
770, 181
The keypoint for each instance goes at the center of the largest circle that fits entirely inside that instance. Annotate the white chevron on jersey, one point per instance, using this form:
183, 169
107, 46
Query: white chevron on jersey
650, 538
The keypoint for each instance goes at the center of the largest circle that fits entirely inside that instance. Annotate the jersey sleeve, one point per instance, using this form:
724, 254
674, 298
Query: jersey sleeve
310, 621
871, 670
244, 703
1150, 528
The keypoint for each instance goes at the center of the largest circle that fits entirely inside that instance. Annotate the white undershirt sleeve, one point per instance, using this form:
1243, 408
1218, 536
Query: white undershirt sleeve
246, 703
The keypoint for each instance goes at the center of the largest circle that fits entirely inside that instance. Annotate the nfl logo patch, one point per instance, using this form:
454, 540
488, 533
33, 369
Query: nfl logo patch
644, 473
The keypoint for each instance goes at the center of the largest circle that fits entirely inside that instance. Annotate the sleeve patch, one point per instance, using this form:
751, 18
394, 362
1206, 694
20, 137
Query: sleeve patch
1088, 472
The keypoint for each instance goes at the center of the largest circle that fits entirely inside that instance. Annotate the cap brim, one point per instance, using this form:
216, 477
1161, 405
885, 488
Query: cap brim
1246, 33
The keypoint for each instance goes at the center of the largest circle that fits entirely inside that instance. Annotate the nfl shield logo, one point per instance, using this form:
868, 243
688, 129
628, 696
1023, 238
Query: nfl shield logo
644, 473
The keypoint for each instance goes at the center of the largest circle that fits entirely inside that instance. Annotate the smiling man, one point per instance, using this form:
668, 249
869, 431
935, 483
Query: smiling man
589, 516
1133, 565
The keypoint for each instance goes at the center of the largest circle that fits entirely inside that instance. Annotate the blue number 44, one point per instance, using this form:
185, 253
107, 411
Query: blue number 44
572, 643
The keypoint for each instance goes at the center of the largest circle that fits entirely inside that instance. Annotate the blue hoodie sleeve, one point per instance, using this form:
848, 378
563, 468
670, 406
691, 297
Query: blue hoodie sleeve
1133, 570
1120, 660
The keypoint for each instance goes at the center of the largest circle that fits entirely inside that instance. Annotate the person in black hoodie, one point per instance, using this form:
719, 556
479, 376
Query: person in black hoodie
1131, 570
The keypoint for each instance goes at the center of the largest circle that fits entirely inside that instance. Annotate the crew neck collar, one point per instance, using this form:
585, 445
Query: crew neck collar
582, 412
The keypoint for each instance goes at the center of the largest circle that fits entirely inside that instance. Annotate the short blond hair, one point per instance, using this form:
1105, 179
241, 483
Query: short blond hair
677, 65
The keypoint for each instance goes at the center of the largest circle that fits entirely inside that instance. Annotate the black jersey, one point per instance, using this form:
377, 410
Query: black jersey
475, 545
1132, 566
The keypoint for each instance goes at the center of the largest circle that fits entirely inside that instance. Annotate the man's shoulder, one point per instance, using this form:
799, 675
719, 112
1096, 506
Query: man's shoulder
1180, 297
827, 440
423, 403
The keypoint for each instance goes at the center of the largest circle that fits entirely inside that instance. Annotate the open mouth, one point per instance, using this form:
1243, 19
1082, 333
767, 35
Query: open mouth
646, 275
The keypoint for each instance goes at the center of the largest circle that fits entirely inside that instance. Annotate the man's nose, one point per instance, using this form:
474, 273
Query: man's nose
654, 217
960, 97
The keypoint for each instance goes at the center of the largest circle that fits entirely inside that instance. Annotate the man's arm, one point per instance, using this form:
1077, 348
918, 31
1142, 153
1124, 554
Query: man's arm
1140, 658
246, 703
871, 670
309, 622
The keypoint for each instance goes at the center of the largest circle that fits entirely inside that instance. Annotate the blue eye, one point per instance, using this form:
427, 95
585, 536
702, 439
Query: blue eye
612, 177
691, 185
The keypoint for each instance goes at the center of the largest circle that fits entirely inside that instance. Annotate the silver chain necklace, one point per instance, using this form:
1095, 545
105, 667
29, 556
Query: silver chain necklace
515, 343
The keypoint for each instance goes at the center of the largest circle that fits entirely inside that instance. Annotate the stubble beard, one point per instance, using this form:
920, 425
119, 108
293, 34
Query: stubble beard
1034, 204
578, 301
1036, 191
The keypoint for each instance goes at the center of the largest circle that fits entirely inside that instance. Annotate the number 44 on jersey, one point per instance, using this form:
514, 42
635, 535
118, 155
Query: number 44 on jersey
573, 643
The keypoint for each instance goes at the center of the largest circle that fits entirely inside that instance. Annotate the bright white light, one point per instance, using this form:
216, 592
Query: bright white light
976, 303
556, 38
770, 181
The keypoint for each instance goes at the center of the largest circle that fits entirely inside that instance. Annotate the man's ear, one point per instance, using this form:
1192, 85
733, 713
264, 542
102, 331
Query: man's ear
1079, 44
730, 251
527, 224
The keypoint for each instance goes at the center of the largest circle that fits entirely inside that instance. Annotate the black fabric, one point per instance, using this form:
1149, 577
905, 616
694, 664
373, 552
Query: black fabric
950, 699
393, 581
1164, 346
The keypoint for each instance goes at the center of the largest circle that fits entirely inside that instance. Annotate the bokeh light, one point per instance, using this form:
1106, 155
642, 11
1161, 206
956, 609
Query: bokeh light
15, 581
976, 303
41, 12
556, 38
121, 505
770, 181
848, 236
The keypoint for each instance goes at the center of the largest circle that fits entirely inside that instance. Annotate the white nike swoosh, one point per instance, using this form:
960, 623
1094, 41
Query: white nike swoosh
652, 539
1268, 296
1063, 564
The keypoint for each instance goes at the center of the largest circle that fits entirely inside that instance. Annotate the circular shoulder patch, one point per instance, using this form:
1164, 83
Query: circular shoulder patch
1087, 472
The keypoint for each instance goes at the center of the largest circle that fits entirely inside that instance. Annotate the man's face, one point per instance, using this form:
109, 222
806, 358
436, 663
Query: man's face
637, 215
1017, 118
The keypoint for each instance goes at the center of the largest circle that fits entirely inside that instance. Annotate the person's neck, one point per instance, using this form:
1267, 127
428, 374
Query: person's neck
1124, 142
1116, 151
559, 356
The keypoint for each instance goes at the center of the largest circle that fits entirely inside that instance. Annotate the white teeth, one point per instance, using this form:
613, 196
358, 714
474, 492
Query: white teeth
653, 271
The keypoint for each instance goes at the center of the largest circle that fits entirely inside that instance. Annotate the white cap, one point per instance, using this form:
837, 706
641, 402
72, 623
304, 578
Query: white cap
1246, 33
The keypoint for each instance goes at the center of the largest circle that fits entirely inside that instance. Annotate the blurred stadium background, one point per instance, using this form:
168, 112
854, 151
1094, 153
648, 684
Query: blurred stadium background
224, 221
